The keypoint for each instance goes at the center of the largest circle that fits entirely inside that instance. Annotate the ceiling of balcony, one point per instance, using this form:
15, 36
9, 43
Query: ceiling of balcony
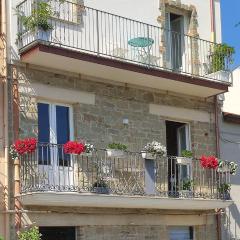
119, 71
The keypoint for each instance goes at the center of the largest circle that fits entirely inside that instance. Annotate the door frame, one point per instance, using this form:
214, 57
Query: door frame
53, 124
184, 122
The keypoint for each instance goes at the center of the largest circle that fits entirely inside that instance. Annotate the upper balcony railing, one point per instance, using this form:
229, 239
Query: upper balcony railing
49, 169
84, 29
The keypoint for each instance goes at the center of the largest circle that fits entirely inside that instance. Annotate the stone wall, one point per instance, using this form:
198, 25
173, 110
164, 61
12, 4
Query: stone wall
139, 232
102, 122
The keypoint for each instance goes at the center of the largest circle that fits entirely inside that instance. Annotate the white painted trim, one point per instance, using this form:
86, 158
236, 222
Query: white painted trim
179, 114
56, 94
114, 201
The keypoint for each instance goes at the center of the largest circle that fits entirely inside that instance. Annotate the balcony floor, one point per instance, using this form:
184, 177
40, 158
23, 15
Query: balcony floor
110, 69
68, 199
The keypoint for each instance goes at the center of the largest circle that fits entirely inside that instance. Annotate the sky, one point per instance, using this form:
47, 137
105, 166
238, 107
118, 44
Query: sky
230, 32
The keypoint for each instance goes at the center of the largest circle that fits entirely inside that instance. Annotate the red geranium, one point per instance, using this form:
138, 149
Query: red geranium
209, 162
27, 145
73, 147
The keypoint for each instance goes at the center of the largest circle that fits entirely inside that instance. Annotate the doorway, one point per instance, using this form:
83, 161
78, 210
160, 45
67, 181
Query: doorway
58, 233
55, 128
179, 171
175, 41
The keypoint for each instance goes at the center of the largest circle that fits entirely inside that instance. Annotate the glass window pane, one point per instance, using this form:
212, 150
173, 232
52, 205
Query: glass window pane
63, 133
43, 134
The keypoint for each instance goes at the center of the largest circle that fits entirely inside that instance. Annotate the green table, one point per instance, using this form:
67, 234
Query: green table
142, 45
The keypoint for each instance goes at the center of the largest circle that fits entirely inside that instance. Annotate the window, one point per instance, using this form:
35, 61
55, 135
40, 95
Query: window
181, 233
53, 130
58, 233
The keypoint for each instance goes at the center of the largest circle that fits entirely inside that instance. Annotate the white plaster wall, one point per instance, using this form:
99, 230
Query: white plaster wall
148, 11
143, 10
230, 150
232, 100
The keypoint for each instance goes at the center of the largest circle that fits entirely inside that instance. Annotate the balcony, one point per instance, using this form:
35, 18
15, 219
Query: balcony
99, 44
50, 177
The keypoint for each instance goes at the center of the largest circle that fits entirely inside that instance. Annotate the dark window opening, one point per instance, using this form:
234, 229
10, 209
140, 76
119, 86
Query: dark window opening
58, 233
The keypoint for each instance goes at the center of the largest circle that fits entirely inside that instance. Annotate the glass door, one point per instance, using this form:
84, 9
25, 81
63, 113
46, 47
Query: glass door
54, 129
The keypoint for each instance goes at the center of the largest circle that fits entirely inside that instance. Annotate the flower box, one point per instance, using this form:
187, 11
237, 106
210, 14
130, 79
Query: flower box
184, 160
148, 155
87, 154
116, 153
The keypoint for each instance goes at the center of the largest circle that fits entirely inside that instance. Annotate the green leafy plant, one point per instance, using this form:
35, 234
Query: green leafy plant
187, 154
30, 234
100, 183
117, 146
224, 188
221, 57
39, 18
1, 238
188, 184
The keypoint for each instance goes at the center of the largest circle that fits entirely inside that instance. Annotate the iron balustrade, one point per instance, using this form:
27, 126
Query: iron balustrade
84, 29
48, 168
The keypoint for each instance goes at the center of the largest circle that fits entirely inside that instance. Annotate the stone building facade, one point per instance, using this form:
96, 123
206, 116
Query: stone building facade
102, 122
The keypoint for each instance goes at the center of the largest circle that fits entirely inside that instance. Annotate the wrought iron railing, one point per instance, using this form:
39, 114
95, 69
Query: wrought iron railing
50, 169
100, 33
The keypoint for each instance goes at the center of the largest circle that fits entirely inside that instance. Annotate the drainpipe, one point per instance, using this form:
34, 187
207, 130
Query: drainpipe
213, 27
9, 122
213, 39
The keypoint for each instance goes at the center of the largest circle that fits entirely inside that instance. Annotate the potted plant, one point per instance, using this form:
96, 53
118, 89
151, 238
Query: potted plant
116, 150
209, 162
88, 150
186, 157
37, 25
73, 147
100, 186
23, 146
220, 59
153, 149
224, 190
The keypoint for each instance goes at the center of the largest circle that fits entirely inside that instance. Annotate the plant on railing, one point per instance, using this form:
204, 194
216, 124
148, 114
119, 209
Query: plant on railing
221, 56
209, 162
224, 188
187, 184
39, 18
116, 150
73, 147
100, 186
230, 167
30, 234
22, 146
89, 148
155, 148
117, 146
187, 154
233, 168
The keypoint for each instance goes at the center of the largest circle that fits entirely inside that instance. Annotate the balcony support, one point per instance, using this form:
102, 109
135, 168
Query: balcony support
150, 177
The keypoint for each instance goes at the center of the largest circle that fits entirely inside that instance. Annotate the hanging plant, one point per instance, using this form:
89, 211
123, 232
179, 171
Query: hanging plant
209, 162
22, 146
73, 147
221, 57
